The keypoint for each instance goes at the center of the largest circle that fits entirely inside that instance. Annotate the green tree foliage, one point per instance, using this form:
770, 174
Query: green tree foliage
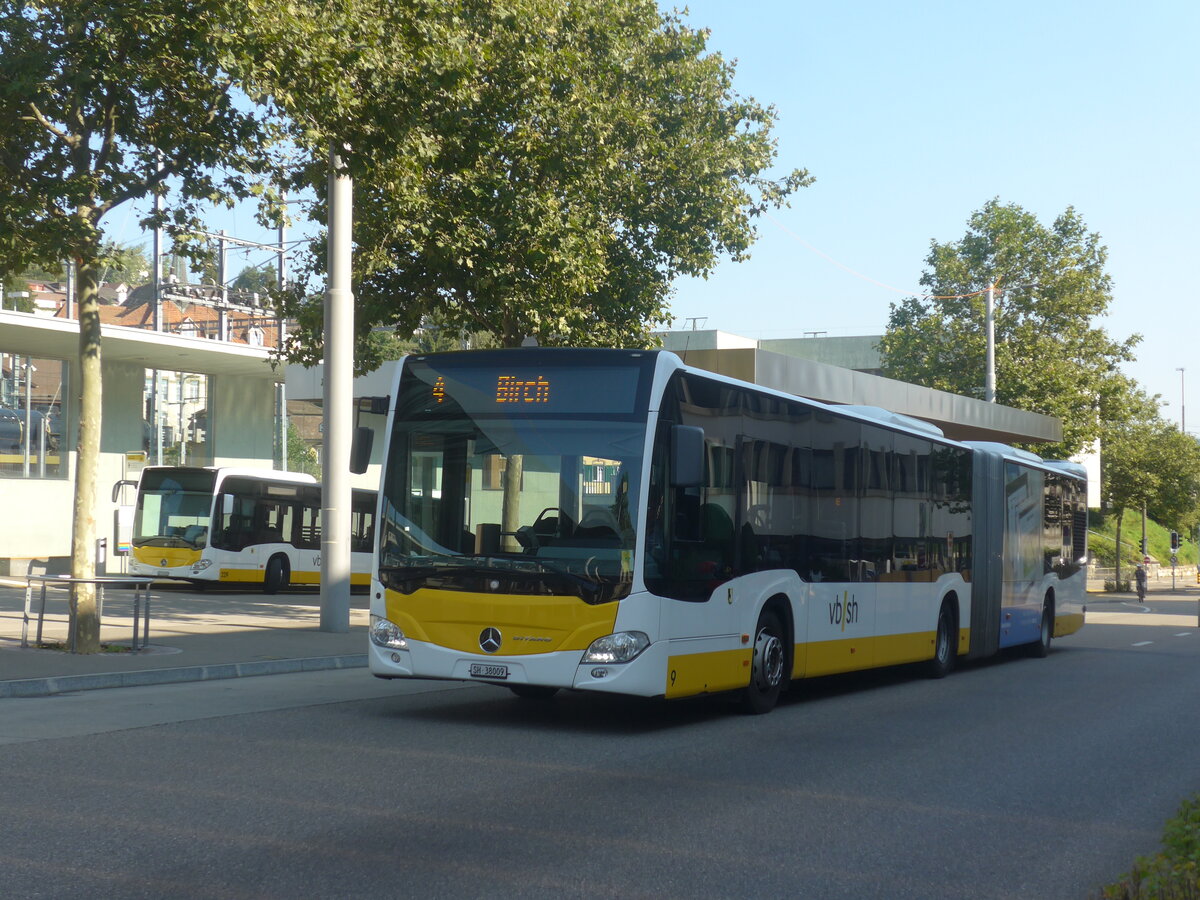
1051, 357
102, 104
300, 456
531, 167
256, 279
14, 285
1147, 462
121, 263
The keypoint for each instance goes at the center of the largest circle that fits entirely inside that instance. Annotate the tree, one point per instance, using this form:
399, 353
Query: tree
1051, 357
530, 168
120, 263
256, 279
1146, 462
1129, 476
14, 285
102, 104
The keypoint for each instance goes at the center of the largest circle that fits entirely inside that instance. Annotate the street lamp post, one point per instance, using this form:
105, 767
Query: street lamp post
989, 387
1182, 403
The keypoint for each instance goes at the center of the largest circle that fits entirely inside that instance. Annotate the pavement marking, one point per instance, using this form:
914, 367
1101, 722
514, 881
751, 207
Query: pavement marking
1143, 643
1183, 634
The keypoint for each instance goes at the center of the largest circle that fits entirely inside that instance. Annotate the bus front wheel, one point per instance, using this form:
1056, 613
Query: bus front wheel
277, 575
768, 666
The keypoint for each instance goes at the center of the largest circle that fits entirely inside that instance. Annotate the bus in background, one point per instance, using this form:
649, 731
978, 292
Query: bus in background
616, 521
231, 525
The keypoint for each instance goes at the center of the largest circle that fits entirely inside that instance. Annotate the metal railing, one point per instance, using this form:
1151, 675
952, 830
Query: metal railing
141, 604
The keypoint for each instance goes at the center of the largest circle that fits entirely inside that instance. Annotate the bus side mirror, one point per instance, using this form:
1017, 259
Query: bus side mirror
360, 449
687, 456
227, 504
120, 484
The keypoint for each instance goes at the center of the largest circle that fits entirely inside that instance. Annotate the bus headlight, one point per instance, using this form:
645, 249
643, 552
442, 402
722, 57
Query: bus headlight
198, 567
385, 633
616, 648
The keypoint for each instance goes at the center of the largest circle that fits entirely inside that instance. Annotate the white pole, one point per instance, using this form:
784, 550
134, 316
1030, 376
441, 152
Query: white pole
280, 324
338, 399
1182, 405
989, 388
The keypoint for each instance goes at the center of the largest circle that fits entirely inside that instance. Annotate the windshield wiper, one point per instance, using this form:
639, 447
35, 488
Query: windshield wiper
578, 580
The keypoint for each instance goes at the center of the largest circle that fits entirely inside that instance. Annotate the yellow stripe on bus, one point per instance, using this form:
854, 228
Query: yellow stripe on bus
723, 670
528, 624
357, 579
164, 557
1067, 624
240, 575
704, 673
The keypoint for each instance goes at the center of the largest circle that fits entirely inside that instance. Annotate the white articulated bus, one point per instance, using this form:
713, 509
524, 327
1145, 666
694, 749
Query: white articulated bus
616, 521
253, 526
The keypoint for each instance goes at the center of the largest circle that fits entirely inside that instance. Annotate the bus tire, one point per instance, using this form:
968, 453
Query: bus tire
277, 575
1040, 648
768, 666
943, 643
533, 691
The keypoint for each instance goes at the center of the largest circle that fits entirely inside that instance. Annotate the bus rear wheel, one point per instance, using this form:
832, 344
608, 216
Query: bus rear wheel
768, 667
277, 575
943, 644
1041, 647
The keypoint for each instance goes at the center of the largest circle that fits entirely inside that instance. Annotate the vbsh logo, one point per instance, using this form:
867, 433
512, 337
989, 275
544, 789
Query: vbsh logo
844, 611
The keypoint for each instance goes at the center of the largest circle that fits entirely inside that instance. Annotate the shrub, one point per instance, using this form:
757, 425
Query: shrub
1173, 873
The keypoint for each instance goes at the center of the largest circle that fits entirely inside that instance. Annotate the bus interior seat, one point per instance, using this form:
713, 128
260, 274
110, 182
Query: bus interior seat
554, 526
598, 522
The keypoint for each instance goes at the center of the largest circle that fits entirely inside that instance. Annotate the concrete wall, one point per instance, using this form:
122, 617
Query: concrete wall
38, 513
243, 421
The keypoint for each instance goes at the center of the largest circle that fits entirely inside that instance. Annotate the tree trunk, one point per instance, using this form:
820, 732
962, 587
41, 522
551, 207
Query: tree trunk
85, 616
510, 515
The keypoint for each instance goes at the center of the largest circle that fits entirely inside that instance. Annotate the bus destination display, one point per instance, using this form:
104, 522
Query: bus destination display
596, 390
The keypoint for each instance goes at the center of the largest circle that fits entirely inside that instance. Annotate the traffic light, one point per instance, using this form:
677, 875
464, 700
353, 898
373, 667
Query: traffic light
1174, 541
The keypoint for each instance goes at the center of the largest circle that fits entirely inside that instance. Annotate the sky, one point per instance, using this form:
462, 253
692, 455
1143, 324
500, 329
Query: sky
911, 116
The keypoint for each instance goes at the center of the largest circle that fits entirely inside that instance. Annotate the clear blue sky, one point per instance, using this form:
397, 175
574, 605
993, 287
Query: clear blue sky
912, 116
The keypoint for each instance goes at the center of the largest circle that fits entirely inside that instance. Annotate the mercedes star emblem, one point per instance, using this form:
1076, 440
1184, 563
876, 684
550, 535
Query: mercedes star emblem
489, 640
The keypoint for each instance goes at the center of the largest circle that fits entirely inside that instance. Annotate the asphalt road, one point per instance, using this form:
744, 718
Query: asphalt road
1013, 778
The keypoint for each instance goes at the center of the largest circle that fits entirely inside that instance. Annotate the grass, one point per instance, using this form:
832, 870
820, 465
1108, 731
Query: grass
1174, 872
1102, 533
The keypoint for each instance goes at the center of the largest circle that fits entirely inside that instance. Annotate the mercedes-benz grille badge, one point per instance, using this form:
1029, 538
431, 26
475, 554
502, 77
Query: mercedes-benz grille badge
489, 640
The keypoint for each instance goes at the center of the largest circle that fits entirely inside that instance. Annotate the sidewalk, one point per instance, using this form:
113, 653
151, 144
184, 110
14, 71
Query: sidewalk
194, 636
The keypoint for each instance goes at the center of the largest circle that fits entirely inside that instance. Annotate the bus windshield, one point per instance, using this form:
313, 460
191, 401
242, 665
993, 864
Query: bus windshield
518, 505
173, 507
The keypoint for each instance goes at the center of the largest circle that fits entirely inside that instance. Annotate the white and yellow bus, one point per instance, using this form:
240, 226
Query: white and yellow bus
608, 520
252, 526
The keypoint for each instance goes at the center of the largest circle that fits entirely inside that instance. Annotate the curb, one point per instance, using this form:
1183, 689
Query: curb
62, 684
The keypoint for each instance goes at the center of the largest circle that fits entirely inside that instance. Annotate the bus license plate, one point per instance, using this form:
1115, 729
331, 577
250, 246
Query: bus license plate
483, 670
162, 573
